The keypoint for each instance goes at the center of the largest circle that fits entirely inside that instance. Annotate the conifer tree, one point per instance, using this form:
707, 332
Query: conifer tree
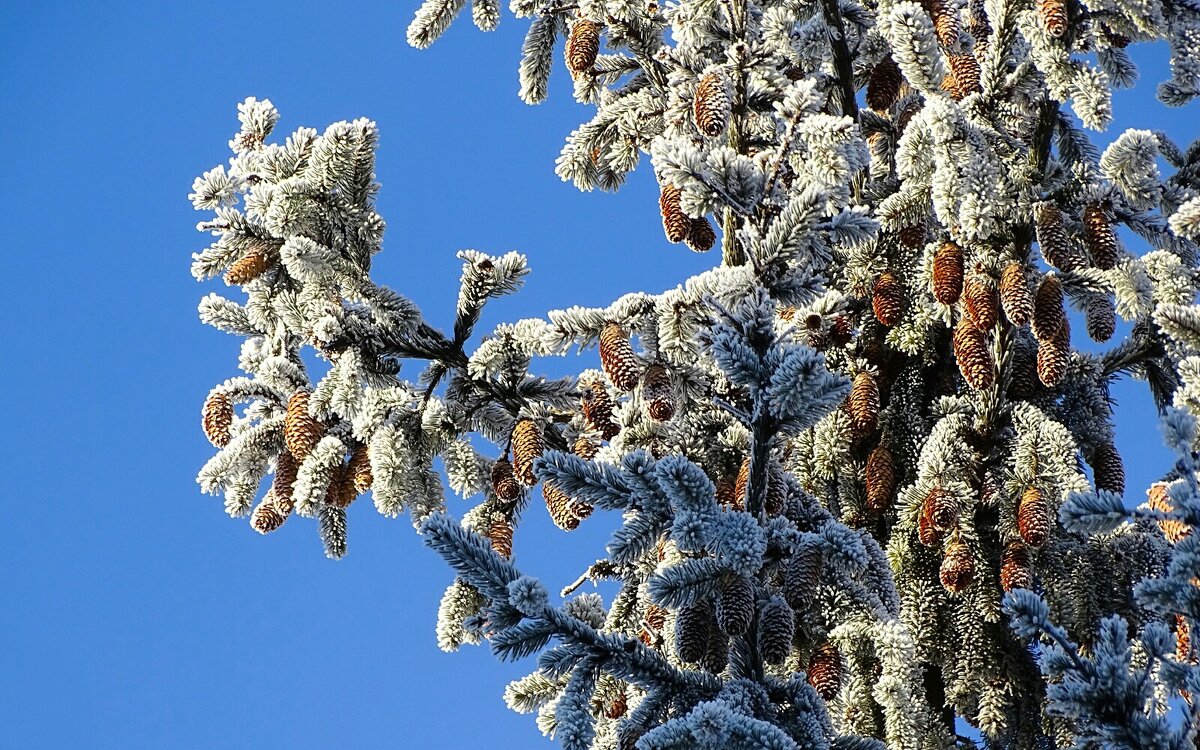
834, 452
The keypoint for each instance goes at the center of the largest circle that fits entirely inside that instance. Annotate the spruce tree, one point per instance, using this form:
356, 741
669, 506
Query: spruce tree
868, 487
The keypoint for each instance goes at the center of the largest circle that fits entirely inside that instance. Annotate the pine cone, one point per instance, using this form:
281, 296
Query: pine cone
926, 533
711, 105
801, 576
249, 267
1014, 295
500, 532
1054, 355
1023, 381
964, 76
912, 236
716, 658
887, 299
941, 509
1159, 500
776, 498
973, 355
881, 479
1033, 517
1183, 643
948, 273
735, 605
1052, 237
1054, 17
945, 22
583, 45
1100, 237
281, 486
958, 567
700, 237
336, 495
825, 671
617, 708
527, 444
692, 626
1101, 317
1107, 468
597, 407
741, 485
1048, 312
864, 403
776, 629
982, 301
267, 516
727, 496
676, 223
657, 392
504, 483
585, 448
216, 418
565, 512
358, 470
1016, 567
617, 359
841, 331
883, 88
300, 431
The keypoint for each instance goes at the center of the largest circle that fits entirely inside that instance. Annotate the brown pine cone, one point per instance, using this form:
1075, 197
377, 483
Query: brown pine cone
883, 88
948, 273
585, 448
285, 477
1054, 17
565, 512
1052, 237
358, 470
500, 533
710, 107
912, 236
941, 509
267, 516
1101, 315
727, 496
700, 237
958, 567
981, 301
504, 483
1033, 517
1023, 381
216, 418
887, 299
825, 671
249, 267
926, 533
583, 45
1100, 237
881, 479
300, 431
1107, 468
617, 359
617, 708
801, 576
657, 392
527, 445
965, 73
676, 223
863, 403
841, 331
974, 355
1054, 355
1014, 294
776, 490
1158, 499
1016, 566
1048, 312
597, 407
945, 22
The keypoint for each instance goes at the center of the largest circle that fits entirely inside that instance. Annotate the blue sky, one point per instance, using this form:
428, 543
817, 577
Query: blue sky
137, 613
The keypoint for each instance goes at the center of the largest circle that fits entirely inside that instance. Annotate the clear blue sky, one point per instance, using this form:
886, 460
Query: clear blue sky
136, 614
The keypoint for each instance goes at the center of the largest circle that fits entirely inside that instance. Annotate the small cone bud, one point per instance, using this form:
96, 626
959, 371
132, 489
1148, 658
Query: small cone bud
1014, 295
948, 273
1016, 567
801, 576
1108, 469
1033, 517
973, 355
1101, 315
825, 671
583, 45
711, 105
958, 567
216, 418
982, 301
1053, 14
500, 533
692, 628
1054, 355
617, 708
617, 359
1100, 237
676, 223
881, 479
864, 402
1158, 499
735, 605
776, 629
700, 237
300, 431
504, 483
883, 88
657, 392
527, 445
1048, 312
887, 299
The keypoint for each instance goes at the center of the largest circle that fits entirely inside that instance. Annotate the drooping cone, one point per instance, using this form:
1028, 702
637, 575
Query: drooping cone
300, 431
727, 494
1100, 237
597, 407
565, 512
964, 78
1101, 317
982, 301
676, 223
249, 267
1052, 238
217, 417
700, 237
973, 355
711, 105
281, 486
1108, 469
500, 533
864, 402
883, 88
776, 490
801, 576
617, 708
1016, 567
1053, 14
825, 671
881, 479
948, 273
735, 605
585, 448
692, 626
504, 482
1014, 294
912, 236
716, 658
980, 28
1033, 517
841, 331
1054, 355
945, 22
358, 470
652, 624
336, 495
1048, 312
1158, 499
267, 515
957, 572
1023, 381
617, 359
776, 629
887, 299
657, 392
527, 445
926, 533
583, 45
942, 509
